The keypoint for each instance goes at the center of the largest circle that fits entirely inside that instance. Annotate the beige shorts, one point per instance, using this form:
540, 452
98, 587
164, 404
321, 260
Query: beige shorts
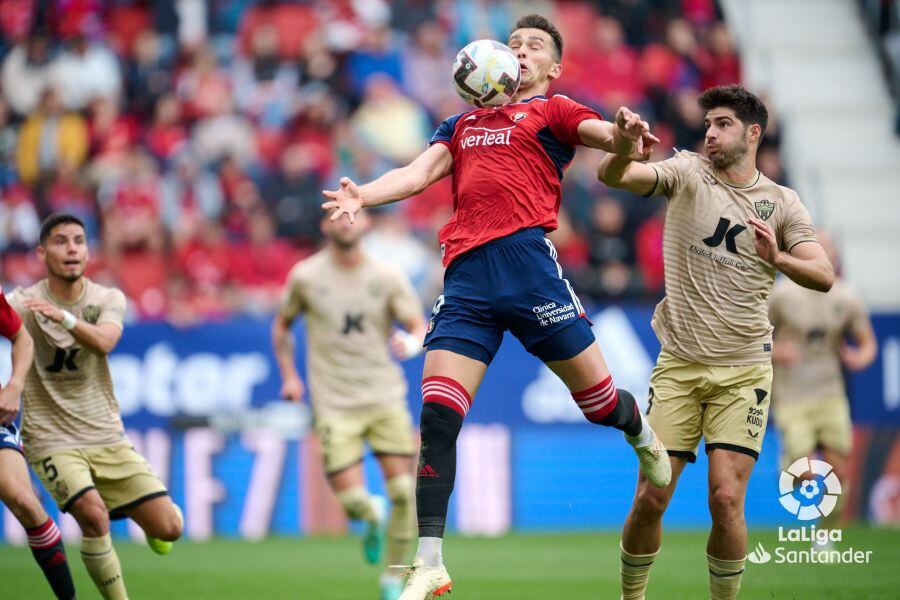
121, 476
726, 406
806, 426
387, 430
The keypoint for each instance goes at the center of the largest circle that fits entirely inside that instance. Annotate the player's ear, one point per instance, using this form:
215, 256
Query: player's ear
555, 71
41, 253
754, 133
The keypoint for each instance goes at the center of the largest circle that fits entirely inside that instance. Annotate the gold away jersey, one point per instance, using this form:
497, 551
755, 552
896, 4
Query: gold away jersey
815, 323
69, 400
715, 310
349, 314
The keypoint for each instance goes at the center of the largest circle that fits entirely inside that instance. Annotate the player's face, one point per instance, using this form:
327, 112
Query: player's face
344, 234
727, 138
537, 57
65, 252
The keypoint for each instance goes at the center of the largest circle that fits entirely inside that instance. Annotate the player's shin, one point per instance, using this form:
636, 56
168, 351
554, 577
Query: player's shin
48, 550
446, 403
724, 578
400, 490
605, 405
102, 564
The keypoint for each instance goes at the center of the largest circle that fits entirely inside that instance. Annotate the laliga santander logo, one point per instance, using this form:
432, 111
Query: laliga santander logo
817, 494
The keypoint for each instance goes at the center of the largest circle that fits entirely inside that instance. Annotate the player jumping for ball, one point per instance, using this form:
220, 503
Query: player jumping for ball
502, 273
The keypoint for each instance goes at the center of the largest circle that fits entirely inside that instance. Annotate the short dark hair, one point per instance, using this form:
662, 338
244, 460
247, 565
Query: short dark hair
746, 106
55, 220
534, 21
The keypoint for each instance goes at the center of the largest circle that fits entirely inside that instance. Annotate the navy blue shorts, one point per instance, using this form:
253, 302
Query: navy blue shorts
512, 283
10, 438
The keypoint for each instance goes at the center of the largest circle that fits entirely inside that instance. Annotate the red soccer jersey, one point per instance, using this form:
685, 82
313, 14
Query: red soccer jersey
9, 319
508, 163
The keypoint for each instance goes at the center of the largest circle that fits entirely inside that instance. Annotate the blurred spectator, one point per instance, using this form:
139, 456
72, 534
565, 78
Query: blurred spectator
149, 73
648, 251
85, 71
19, 221
225, 133
426, 65
293, 194
166, 136
190, 196
26, 73
67, 193
49, 137
389, 239
612, 274
389, 122
265, 89
7, 146
130, 204
378, 55
202, 85
720, 65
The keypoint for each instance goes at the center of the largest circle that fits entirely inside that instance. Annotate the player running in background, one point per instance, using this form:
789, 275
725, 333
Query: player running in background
502, 272
809, 398
71, 426
713, 376
15, 482
351, 302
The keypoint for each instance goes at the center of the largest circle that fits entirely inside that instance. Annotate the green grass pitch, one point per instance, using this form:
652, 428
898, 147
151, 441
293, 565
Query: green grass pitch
539, 566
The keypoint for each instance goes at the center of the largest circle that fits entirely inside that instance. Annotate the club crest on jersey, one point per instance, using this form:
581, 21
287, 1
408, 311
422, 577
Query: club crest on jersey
91, 313
519, 116
764, 208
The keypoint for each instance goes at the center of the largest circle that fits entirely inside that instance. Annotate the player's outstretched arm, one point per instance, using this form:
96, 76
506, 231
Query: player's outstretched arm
397, 184
629, 136
22, 357
292, 387
862, 353
626, 174
100, 338
806, 263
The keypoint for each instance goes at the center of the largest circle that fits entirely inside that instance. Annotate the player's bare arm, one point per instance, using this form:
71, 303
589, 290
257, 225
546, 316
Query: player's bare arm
22, 356
806, 264
292, 387
625, 173
629, 136
397, 184
862, 352
101, 338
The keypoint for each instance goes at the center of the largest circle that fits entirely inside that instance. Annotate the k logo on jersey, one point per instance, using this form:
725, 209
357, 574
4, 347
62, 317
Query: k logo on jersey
764, 208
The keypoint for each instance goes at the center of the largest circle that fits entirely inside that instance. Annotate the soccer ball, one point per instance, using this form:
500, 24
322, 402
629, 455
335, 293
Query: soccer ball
486, 73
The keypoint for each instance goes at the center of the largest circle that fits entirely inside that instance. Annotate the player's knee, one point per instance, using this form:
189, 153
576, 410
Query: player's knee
355, 501
92, 516
649, 504
725, 503
401, 489
439, 425
26, 508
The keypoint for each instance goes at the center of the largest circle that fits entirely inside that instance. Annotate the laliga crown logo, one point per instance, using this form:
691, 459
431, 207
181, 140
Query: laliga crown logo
809, 501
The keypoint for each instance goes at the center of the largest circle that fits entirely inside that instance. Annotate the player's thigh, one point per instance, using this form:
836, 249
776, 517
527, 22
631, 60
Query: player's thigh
124, 478
796, 429
582, 371
729, 473
465, 370
737, 408
834, 427
341, 437
66, 474
673, 408
390, 432
157, 516
15, 488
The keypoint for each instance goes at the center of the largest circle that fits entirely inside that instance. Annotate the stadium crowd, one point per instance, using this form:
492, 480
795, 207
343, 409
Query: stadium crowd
194, 137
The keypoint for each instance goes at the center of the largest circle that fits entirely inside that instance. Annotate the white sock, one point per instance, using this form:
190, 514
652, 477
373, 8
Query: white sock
644, 438
430, 551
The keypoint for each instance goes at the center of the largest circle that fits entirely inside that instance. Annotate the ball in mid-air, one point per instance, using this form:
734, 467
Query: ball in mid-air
486, 73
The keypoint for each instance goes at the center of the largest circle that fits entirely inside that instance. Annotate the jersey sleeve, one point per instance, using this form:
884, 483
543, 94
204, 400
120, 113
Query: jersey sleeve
444, 133
670, 175
292, 296
795, 225
563, 117
113, 309
404, 303
9, 319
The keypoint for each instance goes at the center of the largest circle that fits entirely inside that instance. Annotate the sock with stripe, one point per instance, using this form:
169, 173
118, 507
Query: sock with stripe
102, 564
603, 404
48, 550
724, 577
635, 573
446, 403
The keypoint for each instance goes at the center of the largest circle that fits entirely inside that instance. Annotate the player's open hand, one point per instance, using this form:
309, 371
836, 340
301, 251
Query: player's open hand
9, 405
344, 200
765, 241
292, 389
44, 308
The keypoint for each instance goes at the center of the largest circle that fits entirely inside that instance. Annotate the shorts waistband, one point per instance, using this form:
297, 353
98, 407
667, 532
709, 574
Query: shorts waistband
522, 234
